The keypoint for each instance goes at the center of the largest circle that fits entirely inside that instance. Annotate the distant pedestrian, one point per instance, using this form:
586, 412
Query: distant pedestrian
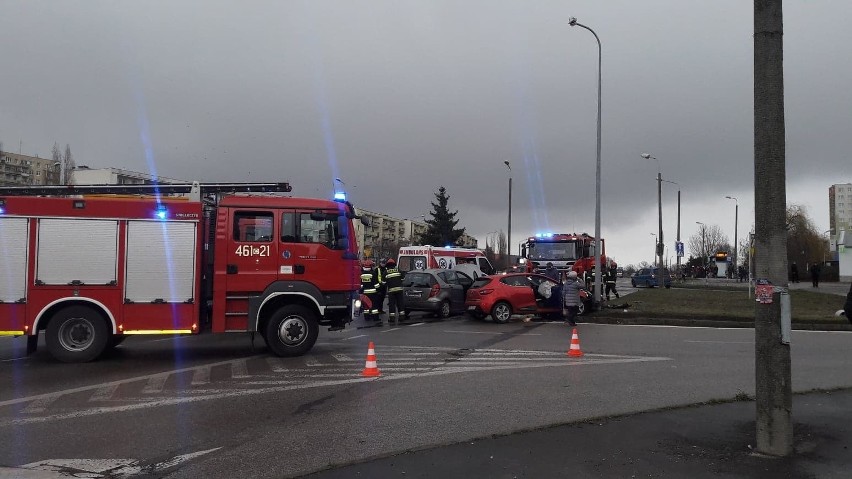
794, 273
551, 272
815, 275
571, 298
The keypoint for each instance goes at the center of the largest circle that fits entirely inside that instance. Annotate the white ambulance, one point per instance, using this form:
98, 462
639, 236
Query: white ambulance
470, 260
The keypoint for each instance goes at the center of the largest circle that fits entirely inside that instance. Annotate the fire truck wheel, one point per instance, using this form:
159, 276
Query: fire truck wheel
77, 334
292, 331
501, 312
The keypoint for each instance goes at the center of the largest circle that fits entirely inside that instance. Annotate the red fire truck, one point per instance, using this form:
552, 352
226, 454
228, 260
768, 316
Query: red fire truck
566, 251
90, 268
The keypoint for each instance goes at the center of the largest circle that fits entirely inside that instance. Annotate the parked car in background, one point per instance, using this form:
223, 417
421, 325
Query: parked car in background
650, 278
438, 291
517, 293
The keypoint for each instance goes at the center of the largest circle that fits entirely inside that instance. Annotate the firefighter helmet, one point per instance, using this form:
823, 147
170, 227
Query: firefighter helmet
367, 264
390, 262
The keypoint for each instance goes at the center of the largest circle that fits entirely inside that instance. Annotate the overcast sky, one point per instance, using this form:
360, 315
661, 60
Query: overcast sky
399, 97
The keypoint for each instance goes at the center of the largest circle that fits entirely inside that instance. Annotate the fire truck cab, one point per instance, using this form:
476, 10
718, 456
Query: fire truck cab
91, 270
566, 251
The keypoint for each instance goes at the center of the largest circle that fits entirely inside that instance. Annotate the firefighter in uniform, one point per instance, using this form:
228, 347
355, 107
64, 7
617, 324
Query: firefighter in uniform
609, 277
369, 287
382, 289
393, 282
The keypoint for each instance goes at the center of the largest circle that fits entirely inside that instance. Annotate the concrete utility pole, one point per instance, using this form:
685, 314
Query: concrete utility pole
773, 395
509, 230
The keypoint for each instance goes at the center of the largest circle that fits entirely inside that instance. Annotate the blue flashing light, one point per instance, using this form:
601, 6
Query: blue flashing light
340, 196
161, 213
2, 210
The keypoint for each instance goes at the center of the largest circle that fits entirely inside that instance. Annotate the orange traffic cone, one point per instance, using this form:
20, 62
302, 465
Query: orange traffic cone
575, 351
371, 369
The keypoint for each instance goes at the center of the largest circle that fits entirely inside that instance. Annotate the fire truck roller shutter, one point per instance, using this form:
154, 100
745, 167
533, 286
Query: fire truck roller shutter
65, 244
161, 261
13, 259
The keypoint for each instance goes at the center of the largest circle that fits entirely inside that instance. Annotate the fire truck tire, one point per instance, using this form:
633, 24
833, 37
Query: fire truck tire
77, 334
291, 331
501, 312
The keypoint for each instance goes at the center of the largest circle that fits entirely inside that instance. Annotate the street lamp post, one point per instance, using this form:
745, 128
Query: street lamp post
509, 230
598, 293
678, 221
736, 224
659, 210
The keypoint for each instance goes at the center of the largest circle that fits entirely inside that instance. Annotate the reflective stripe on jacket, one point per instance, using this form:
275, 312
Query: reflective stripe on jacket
394, 279
367, 285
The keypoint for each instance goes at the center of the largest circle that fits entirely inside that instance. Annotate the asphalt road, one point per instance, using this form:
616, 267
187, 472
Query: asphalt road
210, 406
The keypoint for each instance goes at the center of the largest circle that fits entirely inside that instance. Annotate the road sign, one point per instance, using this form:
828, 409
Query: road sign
679, 249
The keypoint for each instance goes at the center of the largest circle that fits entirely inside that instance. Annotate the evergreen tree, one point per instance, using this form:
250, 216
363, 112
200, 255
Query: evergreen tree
441, 230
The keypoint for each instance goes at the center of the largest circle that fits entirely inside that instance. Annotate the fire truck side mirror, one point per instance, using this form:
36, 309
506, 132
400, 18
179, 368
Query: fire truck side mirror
365, 221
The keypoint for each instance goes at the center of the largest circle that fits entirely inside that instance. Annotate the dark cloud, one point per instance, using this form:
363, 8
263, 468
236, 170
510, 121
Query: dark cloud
397, 98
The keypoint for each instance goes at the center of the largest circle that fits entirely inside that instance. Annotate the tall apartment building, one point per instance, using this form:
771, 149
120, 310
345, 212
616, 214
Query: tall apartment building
23, 170
840, 208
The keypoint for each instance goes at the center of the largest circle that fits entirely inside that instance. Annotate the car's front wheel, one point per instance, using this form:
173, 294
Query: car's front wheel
633, 283
501, 312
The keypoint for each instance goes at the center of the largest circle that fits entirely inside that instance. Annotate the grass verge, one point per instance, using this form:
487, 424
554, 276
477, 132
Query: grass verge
735, 305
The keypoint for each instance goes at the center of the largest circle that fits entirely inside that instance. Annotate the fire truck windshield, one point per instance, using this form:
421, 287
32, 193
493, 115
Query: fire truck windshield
553, 251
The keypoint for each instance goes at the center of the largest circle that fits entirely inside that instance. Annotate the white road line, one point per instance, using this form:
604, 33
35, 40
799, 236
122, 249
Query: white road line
474, 332
276, 364
201, 376
718, 342
490, 332
389, 330
312, 362
239, 369
353, 337
155, 384
9, 402
13, 359
170, 338
316, 384
341, 357
104, 394
40, 404
417, 324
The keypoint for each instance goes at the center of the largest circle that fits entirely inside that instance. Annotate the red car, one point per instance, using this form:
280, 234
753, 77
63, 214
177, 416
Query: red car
501, 296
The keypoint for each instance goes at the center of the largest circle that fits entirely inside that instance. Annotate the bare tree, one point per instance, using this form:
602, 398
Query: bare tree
502, 248
708, 240
805, 245
68, 164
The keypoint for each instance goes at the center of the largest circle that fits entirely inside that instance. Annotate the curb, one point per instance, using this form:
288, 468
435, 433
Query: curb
596, 318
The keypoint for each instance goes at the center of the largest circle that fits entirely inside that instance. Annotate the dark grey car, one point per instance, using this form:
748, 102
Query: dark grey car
438, 291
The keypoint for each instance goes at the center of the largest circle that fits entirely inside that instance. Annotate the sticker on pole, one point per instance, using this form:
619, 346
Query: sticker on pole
763, 291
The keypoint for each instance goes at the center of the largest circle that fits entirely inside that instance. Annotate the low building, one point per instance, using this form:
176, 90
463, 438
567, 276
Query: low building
83, 175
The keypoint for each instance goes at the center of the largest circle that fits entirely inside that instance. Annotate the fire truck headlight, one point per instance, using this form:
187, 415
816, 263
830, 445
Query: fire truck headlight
357, 303
522, 261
